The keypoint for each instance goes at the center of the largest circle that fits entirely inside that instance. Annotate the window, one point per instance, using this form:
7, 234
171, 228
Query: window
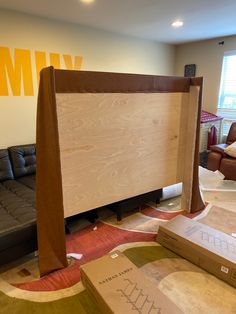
227, 94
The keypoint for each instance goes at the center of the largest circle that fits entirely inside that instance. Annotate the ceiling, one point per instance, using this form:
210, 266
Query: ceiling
148, 19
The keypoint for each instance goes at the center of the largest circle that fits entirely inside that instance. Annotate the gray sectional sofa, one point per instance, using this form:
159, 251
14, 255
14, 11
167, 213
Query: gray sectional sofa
18, 234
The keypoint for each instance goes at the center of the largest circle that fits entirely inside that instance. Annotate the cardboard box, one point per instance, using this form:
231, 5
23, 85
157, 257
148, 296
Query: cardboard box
204, 246
119, 286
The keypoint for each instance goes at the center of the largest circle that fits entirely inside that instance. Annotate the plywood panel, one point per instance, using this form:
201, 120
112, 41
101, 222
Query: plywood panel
103, 137
114, 146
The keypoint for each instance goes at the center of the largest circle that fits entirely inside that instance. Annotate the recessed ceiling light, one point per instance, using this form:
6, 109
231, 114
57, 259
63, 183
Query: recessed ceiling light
177, 23
87, 1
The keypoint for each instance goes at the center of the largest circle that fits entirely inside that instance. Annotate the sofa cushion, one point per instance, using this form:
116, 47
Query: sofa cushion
20, 190
29, 181
23, 159
17, 207
5, 166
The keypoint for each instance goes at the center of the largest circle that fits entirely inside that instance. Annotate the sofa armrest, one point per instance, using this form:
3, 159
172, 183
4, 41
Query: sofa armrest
219, 148
214, 160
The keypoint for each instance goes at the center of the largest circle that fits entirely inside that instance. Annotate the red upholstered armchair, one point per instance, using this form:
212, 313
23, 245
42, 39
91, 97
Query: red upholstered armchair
219, 160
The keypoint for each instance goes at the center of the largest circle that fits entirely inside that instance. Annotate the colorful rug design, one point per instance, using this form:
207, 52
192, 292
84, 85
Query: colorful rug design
192, 289
219, 218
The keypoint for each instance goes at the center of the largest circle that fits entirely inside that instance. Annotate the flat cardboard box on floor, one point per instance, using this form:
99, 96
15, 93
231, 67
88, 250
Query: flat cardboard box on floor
202, 245
118, 286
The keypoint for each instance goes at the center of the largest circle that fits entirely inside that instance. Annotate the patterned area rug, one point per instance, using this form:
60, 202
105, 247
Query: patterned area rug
219, 218
192, 289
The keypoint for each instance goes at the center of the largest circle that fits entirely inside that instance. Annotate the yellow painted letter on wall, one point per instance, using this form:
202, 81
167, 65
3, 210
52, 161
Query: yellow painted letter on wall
15, 72
68, 62
55, 60
40, 62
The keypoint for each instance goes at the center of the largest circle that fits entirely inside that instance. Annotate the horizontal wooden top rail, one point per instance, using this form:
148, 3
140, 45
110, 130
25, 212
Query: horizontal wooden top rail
104, 82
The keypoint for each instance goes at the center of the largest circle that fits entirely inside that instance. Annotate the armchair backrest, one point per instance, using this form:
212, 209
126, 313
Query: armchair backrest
232, 134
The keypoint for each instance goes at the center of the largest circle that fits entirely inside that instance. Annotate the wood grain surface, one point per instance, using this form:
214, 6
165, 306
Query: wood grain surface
114, 146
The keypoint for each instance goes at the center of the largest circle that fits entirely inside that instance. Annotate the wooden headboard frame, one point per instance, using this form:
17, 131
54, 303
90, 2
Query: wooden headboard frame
103, 137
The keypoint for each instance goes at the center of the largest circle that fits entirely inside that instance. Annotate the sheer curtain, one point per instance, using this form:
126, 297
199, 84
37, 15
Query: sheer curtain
227, 94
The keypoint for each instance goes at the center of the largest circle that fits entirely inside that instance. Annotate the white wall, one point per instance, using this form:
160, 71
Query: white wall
101, 51
208, 57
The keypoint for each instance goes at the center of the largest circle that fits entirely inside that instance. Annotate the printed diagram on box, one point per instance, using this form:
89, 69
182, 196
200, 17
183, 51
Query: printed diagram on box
139, 300
218, 243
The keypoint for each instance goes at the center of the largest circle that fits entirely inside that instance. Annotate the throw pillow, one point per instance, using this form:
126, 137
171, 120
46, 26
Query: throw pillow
231, 150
